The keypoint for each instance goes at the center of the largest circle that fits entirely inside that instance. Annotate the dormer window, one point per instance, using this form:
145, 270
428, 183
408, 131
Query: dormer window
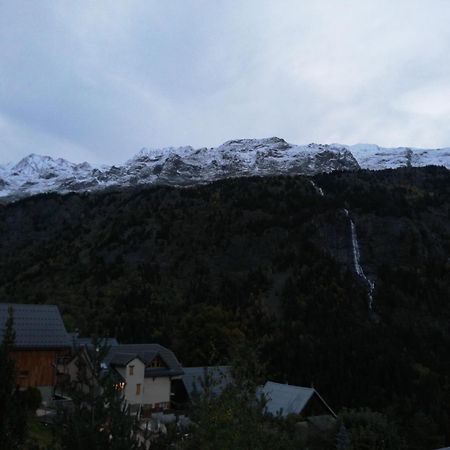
130, 370
156, 362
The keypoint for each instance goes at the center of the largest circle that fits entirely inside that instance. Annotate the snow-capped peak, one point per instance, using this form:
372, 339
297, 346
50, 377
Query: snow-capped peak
38, 165
186, 165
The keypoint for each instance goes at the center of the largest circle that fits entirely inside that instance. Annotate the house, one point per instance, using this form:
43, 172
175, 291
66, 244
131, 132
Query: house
76, 368
196, 379
81, 358
40, 341
89, 342
285, 399
144, 373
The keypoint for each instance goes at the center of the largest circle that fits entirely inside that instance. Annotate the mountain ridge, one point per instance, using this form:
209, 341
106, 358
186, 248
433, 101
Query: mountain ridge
186, 165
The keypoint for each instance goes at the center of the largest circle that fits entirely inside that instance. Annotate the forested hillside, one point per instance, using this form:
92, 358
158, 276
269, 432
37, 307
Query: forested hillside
265, 261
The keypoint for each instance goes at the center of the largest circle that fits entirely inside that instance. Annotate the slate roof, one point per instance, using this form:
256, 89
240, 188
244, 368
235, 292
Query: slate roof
88, 341
286, 399
122, 354
194, 379
36, 326
122, 359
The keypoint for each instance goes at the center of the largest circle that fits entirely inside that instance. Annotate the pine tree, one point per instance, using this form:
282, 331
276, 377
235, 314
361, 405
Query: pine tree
343, 441
13, 418
99, 418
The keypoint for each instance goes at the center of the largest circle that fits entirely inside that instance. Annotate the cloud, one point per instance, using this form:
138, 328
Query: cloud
102, 79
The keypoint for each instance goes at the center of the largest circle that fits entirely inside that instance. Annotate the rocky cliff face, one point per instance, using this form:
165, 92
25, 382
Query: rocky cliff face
186, 166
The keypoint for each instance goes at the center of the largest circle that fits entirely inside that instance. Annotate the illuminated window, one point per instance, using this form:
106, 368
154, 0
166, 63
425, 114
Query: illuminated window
131, 370
156, 362
138, 389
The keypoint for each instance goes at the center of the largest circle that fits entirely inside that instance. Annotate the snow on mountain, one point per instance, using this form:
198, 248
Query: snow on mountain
37, 173
374, 157
185, 165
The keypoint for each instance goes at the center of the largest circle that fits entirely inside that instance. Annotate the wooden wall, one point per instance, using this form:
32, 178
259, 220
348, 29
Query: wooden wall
36, 367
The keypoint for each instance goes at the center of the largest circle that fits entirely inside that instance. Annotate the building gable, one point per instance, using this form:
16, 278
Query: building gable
36, 326
285, 399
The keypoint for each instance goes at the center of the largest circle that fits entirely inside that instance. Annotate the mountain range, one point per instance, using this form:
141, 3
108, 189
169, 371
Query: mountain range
36, 174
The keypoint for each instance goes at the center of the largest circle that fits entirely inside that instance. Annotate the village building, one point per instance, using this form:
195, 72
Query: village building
41, 341
81, 359
196, 380
285, 399
144, 373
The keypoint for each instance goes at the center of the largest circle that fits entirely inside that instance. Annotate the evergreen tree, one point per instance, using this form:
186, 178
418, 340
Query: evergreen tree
98, 418
13, 419
343, 441
234, 419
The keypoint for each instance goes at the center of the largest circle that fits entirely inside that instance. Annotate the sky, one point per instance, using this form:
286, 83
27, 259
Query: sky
98, 80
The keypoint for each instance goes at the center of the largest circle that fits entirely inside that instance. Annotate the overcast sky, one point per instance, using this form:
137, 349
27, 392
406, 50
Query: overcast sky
97, 80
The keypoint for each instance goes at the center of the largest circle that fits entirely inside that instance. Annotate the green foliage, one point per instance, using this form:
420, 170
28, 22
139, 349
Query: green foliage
13, 418
206, 334
234, 419
32, 398
370, 430
265, 261
98, 418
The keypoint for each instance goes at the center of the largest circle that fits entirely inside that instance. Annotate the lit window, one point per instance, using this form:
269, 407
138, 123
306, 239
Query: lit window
131, 370
156, 362
138, 389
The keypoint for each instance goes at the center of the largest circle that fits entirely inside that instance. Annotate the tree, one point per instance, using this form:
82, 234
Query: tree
371, 430
234, 419
98, 418
13, 419
343, 441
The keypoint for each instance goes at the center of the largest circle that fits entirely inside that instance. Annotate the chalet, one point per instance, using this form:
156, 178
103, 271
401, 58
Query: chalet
144, 372
81, 357
285, 399
40, 341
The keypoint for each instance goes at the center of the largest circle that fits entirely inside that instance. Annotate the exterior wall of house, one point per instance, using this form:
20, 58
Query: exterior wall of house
157, 392
315, 407
36, 368
134, 379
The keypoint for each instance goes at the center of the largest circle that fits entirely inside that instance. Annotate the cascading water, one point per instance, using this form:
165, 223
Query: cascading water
357, 263
356, 253
318, 189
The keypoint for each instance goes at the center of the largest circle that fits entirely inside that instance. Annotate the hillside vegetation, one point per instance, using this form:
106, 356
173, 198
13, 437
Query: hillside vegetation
264, 261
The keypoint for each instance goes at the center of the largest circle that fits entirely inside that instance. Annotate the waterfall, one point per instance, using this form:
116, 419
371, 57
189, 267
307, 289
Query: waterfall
357, 262
318, 189
356, 253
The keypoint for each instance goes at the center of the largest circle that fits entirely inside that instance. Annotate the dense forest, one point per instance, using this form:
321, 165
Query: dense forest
263, 262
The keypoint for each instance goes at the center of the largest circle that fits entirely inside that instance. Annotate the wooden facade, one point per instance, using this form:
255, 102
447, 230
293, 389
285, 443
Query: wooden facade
37, 367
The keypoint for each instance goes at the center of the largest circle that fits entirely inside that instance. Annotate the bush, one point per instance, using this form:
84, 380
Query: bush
32, 398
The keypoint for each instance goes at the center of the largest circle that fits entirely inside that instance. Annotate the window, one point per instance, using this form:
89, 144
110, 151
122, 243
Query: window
131, 370
156, 362
138, 389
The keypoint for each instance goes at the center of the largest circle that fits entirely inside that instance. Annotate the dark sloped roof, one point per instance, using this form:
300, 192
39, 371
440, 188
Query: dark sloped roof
36, 326
88, 341
286, 399
122, 359
194, 379
121, 354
